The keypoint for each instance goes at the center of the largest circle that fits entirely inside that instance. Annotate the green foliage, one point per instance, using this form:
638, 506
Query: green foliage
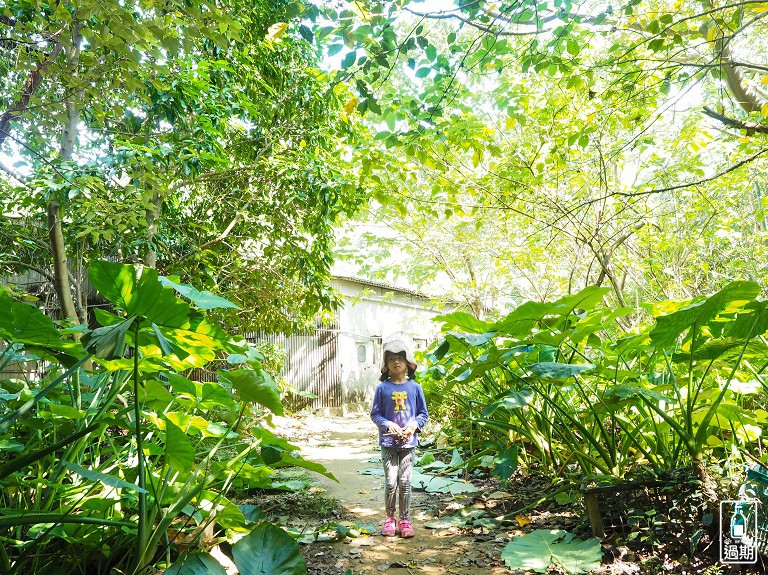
268, 549
522, 150
536, 551
559, 384
131, 449
203, 142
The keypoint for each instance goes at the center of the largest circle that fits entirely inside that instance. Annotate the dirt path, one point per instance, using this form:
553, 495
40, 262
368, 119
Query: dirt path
346, 446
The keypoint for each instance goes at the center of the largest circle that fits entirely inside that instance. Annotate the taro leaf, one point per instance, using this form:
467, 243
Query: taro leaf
586, 299
434, 484
473, 340
108, 342
103, 478
197, 337
138, 291
624, 391
513, 400
725, 351
488, 523
537, 550
519, 323
198, 563
751, 321
441, 350
178, 449
104, 317
464, 321
505, 463
555, 370
252, 513
733, 296
268, 550
229, 515
292, 485
463, 518
24, 323
202, 299
155, 394
213, 396
177, 327
255, 386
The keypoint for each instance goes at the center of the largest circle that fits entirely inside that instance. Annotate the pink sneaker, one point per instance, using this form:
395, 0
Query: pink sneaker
389, 527
406, 529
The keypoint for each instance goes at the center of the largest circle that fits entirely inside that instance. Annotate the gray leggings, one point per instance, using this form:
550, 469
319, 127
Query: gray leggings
398, 468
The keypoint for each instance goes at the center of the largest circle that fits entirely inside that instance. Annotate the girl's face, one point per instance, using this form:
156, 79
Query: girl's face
396, 364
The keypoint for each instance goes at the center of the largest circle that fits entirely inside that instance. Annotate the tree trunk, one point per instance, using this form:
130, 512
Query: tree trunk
55, 230
153, 216
60, 263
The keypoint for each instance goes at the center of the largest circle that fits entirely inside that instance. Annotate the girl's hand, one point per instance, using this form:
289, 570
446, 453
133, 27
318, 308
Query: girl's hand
394, 429
410, 429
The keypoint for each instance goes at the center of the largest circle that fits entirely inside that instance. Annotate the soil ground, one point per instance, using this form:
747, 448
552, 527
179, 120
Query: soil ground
346, 446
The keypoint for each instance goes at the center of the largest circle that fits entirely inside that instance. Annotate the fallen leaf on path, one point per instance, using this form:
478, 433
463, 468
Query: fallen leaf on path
522, 520
500, 495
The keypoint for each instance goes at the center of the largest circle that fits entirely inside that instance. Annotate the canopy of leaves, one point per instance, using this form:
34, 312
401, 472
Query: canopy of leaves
524, 149
206, 146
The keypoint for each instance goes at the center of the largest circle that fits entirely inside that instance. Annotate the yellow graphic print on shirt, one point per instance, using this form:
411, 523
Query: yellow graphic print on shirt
399, 398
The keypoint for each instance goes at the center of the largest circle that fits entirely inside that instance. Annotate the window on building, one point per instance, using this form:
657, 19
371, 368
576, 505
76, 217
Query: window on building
362, 352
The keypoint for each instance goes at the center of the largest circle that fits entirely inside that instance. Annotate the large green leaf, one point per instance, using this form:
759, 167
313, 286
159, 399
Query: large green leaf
178, 449
24, 323
464, 321
586, 299
512, 400
555, 370
438, 484
751, 321
103, 478
732, 297
536, 551
138, 291
268, 550
196, 564
202, 299
519, 323
255, 386
725, 351
505, 463
108, 342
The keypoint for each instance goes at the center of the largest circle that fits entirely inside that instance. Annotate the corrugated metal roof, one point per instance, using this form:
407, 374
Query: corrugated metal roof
383, 285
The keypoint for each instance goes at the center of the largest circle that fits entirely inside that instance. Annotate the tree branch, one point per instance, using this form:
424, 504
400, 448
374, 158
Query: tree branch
750, 127
31, 267
35, 79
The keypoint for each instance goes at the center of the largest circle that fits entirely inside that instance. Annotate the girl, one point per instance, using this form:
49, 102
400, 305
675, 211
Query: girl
400, 411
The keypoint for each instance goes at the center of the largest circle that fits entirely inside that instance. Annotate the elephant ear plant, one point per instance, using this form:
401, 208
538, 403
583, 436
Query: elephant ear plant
559, 385
102, 468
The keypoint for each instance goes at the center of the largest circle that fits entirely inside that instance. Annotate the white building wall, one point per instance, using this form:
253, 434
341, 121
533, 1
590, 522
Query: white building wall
368, 321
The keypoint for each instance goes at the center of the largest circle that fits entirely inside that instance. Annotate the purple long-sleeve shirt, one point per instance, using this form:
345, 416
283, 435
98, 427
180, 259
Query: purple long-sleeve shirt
400, 403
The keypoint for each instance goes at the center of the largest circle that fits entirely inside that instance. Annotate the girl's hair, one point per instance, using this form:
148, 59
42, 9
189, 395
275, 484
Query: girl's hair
385, 375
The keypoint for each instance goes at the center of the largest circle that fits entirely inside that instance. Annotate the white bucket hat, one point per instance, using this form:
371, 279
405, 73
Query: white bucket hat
394, 347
